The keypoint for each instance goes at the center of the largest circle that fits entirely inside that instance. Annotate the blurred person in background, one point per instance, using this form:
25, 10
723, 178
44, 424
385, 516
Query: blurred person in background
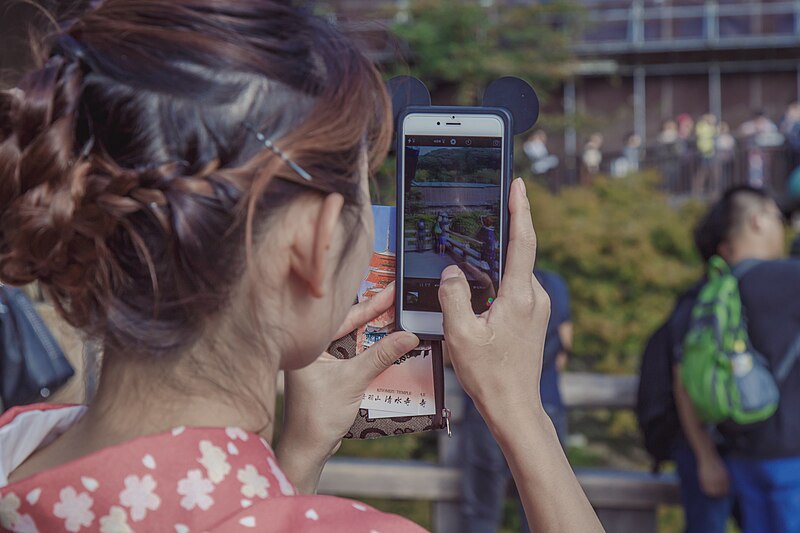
707, 504
592, 156
631, 157
761, 465
792, 210
666, 153
759, 132
725, 155
705, 179
790, 128
686, 147
535, 147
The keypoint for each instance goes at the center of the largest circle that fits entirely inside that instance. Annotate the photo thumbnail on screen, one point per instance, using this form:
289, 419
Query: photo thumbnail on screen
451, 214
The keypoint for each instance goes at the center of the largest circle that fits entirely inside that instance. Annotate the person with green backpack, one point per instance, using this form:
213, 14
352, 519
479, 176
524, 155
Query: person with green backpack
737, 370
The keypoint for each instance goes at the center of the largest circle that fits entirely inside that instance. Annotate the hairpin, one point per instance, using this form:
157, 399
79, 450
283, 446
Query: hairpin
277, 151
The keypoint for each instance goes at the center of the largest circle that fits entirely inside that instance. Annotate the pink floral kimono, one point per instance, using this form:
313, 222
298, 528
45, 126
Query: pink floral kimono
187, 480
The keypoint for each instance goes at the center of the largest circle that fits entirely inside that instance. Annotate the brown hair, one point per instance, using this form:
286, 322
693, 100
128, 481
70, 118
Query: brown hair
129, 180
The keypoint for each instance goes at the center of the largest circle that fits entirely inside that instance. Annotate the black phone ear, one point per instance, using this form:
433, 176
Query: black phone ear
511, 93
518, 97
407, 91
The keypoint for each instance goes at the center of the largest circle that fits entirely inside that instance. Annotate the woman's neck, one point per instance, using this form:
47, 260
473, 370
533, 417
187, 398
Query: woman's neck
138, 397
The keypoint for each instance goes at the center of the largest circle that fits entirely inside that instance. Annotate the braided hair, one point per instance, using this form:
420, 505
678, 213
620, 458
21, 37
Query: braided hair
130, 187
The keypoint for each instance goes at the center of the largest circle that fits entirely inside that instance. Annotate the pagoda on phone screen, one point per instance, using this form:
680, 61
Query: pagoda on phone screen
382, 271
382, 268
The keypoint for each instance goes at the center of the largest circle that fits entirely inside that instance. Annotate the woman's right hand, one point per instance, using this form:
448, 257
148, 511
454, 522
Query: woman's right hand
497, 356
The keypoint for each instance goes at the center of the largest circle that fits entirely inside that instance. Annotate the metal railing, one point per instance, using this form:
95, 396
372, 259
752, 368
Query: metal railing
688, 173
622, 27
708, 25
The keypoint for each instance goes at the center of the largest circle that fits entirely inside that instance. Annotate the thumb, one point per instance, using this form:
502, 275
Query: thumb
455, 297
381, 355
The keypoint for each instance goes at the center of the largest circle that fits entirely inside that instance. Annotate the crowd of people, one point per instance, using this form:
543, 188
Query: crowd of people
706, 151
701, 155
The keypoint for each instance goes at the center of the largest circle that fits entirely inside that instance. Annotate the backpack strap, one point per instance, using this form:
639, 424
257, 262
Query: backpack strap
788, 361
743, 267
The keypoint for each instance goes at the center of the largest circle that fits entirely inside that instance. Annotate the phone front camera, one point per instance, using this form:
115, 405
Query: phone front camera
452, 141
438, 123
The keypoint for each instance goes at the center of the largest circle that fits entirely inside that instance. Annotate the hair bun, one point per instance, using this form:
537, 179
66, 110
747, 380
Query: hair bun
42, 182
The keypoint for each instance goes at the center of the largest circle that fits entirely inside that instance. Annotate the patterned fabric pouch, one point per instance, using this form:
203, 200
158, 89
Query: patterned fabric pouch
365, 427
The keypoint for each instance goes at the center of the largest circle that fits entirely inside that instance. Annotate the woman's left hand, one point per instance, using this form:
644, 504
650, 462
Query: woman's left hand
322, 400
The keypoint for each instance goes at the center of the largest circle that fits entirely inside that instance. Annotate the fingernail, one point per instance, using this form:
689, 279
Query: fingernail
521, 187
451, 271
406, 342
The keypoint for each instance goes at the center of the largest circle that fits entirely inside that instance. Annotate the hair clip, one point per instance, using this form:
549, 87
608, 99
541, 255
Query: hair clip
87, 148
277, 151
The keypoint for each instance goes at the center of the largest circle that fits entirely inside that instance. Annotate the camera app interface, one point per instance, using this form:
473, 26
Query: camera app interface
451, 217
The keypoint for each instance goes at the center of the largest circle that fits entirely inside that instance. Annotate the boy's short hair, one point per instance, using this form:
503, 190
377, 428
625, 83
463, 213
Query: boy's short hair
725, 217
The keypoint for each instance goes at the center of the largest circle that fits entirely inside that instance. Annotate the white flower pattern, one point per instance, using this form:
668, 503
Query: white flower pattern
9, 505
236, 433
74, 509
25, 524
116, 521
161, 483
33, 496
214, 460
253, 483
195, 490
140, 496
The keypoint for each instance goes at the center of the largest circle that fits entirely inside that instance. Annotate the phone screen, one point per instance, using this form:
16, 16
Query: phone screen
452, 216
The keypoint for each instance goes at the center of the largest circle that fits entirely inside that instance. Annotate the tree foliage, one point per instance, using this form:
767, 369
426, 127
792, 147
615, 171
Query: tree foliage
462, 45
464, 165
626, 254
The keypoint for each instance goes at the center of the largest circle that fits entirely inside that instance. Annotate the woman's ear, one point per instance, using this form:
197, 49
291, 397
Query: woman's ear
315, 229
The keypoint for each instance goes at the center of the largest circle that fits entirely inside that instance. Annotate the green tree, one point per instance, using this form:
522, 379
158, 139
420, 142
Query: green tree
460, 46
626, 253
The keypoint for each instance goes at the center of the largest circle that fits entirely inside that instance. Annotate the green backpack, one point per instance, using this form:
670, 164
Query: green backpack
724, 376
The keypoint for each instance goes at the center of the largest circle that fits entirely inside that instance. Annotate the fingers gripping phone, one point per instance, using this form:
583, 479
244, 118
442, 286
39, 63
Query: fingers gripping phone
452, 195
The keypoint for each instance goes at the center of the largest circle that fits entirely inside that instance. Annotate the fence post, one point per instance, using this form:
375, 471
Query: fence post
570, 134
711, 22
640, 103
797, 21
636, 23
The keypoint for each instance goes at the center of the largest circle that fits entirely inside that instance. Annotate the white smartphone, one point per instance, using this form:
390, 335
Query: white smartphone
451, 210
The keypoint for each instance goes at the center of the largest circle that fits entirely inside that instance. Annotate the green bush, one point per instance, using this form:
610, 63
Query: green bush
467, 223
625, 253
